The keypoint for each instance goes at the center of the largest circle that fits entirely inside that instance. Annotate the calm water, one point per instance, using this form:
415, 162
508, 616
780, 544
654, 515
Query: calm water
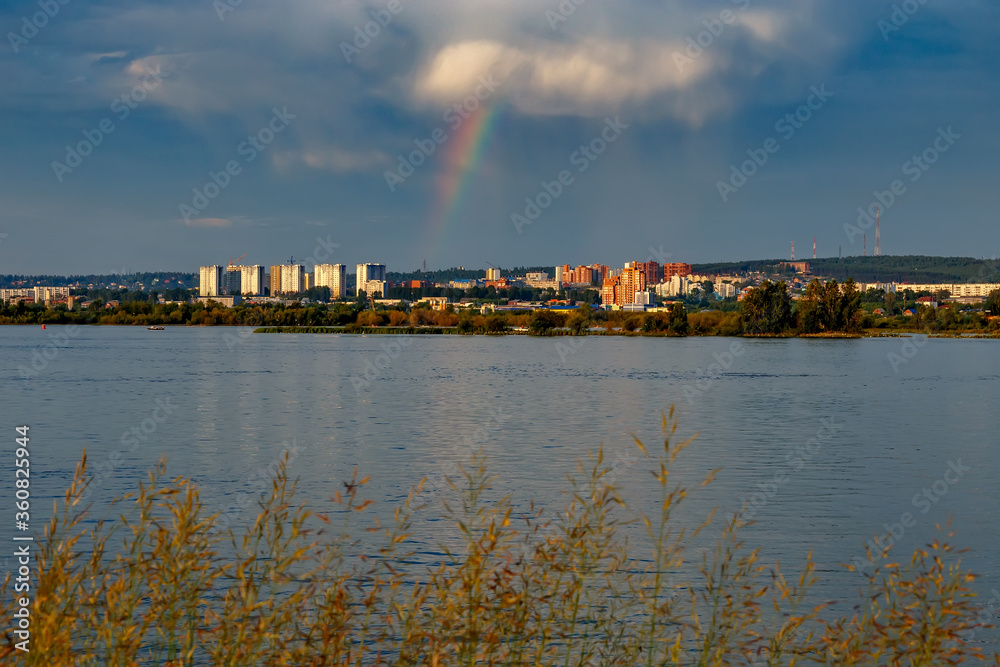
223, 405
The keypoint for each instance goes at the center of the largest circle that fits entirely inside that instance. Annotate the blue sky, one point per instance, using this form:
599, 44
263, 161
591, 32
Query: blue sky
199, 77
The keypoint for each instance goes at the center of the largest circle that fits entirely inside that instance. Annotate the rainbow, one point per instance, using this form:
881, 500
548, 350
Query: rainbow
461, 162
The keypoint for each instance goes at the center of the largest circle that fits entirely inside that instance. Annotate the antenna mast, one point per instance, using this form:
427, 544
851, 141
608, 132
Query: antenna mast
878, 236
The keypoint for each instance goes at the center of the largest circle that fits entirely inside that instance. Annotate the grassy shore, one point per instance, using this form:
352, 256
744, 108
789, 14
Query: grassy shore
167, 584
411, 331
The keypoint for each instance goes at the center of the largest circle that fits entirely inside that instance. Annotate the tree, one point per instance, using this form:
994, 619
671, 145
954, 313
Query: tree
369, 318
992, 306
767, 309
811, 312
543, 321
890, 303
830, 307
579, 322
678, 318
849, 311
631, 323
496, 324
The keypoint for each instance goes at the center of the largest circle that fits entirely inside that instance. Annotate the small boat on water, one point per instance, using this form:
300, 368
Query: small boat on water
154, 328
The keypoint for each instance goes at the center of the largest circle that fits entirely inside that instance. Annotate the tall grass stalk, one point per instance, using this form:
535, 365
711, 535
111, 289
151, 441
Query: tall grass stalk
164, 585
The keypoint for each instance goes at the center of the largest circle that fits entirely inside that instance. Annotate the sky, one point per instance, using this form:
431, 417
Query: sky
169, 134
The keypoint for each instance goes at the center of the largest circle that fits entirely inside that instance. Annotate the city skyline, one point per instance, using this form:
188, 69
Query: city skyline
714, 131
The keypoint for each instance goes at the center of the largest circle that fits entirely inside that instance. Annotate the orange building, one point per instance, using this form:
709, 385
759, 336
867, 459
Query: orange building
609, 291
676, 269
620, 290
653, 271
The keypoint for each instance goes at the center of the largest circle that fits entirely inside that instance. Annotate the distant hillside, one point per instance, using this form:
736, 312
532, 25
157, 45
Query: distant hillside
887, 268
146, 278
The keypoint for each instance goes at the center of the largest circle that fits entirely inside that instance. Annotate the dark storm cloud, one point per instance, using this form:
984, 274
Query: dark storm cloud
699, 83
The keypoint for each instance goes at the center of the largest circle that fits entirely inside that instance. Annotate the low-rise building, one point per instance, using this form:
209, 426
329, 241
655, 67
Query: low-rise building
227, 301
34, 294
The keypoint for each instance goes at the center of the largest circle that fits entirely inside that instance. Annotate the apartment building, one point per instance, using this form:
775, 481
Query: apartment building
333, 276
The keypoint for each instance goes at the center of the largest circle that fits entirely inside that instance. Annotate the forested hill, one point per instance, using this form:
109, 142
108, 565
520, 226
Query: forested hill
887, 268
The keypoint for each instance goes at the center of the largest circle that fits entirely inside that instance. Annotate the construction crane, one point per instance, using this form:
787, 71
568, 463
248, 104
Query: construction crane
233, 262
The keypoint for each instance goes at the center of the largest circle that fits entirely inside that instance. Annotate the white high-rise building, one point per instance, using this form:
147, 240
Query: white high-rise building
212, 278
369, 272
245, 280
252, 279
333, 276
293, 278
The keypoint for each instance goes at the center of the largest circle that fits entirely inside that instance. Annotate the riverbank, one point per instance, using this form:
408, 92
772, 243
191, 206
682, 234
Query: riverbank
416, 331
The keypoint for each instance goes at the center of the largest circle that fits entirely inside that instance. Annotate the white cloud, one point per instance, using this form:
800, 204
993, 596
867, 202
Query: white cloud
209, 222
331, 159
589, 77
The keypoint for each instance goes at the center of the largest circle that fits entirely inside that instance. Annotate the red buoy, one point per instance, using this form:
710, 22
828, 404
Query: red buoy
43, 327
